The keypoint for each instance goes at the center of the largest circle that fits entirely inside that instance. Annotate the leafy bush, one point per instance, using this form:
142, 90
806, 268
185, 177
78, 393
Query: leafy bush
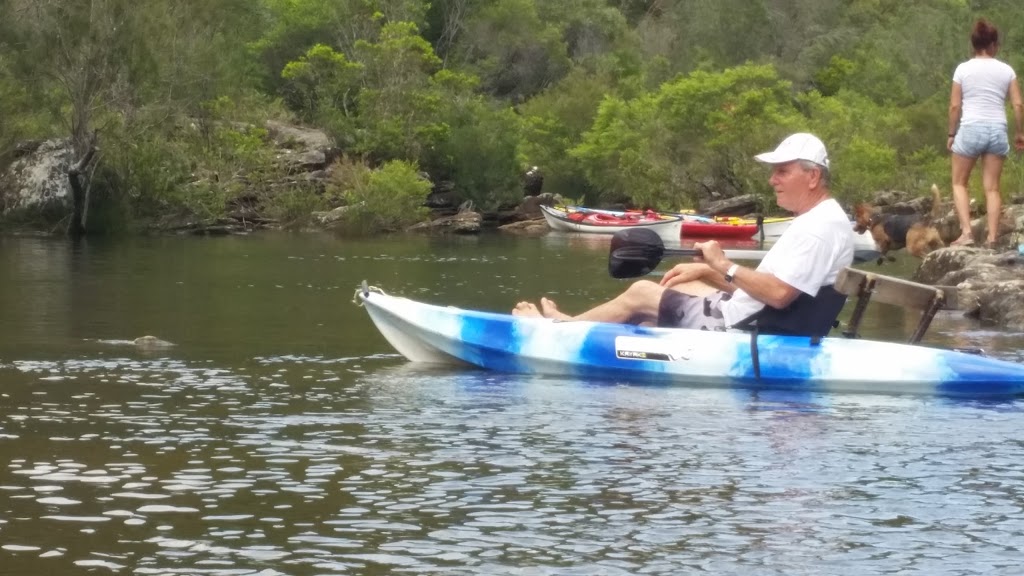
383, 200
294, 206
190, 168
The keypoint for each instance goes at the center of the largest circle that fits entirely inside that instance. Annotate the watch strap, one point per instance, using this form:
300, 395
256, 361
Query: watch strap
730, 274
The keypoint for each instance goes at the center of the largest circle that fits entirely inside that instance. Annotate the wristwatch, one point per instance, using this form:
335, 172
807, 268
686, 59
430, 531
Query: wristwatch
731, 273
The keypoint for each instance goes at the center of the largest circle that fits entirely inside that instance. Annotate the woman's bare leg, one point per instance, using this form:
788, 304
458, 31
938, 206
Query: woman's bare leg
961, 169
991, 171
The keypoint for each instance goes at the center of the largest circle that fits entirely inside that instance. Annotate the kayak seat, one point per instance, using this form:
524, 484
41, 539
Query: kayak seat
813, 316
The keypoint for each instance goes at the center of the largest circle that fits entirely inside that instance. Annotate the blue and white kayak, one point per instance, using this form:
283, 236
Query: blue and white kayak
502, 342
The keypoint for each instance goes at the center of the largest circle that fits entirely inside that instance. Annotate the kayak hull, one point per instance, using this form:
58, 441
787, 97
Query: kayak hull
697, 229
501, 342
669, 228
774, 227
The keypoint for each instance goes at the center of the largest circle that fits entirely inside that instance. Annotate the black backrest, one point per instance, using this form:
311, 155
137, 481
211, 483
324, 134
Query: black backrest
806, 316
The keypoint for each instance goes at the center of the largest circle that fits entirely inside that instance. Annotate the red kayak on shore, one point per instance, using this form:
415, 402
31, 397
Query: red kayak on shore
704, 229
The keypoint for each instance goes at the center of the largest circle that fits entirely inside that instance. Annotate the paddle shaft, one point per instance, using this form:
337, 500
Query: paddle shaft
730, 254
638, 251
858, 255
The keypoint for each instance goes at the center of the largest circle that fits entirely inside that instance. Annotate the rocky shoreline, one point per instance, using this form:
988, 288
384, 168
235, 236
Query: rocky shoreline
990, 283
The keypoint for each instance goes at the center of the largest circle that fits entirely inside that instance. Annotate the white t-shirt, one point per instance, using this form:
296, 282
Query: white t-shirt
984, 82
809, 254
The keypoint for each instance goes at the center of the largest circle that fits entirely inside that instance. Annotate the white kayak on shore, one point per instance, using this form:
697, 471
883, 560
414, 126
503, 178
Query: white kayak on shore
669, 228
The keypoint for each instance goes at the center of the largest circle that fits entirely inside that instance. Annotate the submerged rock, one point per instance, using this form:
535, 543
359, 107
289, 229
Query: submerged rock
151, 343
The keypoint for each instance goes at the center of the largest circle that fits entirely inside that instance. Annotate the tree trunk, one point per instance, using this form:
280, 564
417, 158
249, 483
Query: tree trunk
79, 195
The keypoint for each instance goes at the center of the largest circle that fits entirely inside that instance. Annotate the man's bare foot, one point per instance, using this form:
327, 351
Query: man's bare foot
551, 310
527, 309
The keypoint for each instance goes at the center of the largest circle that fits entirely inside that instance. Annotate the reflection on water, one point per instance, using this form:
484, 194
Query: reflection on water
280, 435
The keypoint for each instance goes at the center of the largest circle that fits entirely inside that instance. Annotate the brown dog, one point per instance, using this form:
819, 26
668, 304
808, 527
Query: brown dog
894, 231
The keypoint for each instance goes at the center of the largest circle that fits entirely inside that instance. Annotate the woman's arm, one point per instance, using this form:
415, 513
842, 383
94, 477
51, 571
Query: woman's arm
956, 99
1018, 114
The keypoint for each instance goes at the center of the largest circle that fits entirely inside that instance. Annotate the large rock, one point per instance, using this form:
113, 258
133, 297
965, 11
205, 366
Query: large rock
735, 206
536, 227
38, 179
465, 222
332, 219
1011, 222
302, 149
443, 200
990, 284
529, 208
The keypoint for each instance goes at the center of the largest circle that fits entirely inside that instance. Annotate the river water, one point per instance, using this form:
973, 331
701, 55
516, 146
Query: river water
282, 435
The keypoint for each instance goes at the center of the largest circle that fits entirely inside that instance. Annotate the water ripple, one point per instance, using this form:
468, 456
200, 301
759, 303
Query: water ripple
298, 465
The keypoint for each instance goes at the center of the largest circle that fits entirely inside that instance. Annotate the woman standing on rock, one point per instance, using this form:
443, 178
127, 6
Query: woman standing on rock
977, 127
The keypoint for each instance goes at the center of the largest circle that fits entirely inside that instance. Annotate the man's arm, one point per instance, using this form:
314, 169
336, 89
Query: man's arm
761, 286
695, 271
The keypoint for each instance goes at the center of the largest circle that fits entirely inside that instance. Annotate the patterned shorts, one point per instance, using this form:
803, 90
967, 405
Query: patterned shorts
678, 310
974, 140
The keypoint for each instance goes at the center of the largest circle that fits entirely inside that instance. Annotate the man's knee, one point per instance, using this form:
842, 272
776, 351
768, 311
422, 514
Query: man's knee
644, 289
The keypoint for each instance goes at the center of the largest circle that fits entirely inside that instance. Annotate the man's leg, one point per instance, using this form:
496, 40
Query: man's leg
638, 304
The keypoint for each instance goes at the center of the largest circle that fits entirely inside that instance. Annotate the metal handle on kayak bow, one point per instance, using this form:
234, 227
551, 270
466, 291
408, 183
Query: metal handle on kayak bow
638, 251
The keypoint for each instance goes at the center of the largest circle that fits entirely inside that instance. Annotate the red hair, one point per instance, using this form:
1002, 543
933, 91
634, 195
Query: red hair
984, 35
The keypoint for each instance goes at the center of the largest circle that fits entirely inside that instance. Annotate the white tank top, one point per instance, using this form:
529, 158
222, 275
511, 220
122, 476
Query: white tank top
984, 83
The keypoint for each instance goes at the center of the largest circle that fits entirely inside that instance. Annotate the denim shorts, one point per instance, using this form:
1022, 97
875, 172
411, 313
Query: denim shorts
974, 140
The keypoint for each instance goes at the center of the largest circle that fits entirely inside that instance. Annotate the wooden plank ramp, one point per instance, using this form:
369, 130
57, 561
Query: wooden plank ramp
868, 286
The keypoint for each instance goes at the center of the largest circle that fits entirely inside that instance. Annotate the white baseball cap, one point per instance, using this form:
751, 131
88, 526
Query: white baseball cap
800, 146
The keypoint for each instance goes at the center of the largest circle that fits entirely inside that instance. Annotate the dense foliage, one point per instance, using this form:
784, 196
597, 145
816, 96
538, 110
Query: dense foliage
647, 102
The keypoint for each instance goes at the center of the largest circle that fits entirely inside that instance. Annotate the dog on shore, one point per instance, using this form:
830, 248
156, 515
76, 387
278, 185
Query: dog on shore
914, 232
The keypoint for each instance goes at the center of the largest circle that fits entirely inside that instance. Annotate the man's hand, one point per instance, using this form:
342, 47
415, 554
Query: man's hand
712, 254
682, 273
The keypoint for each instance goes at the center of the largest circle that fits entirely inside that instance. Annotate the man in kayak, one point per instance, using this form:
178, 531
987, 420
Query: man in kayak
785, 291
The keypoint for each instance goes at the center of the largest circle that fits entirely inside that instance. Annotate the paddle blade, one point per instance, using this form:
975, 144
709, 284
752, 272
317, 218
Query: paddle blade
634, 252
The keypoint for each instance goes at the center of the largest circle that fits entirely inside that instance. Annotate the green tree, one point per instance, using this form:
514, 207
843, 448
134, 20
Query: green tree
292, 27
661, 149
322, 84
554, 123
480, 150
515, 51
397, 106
